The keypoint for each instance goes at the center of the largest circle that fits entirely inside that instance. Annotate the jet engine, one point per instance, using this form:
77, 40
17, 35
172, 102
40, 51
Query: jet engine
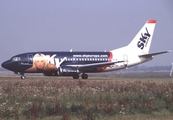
67, 71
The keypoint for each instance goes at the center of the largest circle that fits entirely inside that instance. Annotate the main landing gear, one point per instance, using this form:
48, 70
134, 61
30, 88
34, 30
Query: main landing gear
76, 76
84, 76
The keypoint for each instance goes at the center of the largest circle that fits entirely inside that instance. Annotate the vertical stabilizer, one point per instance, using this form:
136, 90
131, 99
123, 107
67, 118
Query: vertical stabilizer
142, 41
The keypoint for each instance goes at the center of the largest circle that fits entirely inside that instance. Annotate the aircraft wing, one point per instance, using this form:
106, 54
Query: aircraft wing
98, 64
94, 65
153, 54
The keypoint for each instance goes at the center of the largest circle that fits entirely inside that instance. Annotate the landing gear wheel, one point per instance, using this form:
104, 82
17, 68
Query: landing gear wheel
76, 76
22, 77
84, 76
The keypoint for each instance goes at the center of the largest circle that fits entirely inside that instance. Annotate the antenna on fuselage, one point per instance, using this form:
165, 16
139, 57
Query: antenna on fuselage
171, 70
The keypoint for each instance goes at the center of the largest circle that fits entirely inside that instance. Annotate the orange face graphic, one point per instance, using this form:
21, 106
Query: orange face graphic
40, 61
40, 64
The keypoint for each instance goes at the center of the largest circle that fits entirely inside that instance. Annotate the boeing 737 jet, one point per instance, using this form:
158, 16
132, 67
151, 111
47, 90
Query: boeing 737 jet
76, 63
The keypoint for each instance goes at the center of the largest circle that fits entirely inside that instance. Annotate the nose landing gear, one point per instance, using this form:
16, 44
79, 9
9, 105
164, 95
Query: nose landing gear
22, 77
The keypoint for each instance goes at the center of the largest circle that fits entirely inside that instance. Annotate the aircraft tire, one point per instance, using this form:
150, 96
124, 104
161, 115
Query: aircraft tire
76, 76
84, 76
22, 77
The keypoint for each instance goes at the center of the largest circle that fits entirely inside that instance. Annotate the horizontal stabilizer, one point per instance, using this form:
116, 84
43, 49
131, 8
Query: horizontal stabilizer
153, 54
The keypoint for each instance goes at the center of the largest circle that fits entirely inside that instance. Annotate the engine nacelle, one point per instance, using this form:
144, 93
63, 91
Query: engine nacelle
67, 71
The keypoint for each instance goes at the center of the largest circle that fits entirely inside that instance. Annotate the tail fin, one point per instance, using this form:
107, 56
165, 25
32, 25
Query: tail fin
142, 41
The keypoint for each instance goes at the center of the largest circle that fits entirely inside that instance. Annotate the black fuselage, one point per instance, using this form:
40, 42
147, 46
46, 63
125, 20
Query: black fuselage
24, 62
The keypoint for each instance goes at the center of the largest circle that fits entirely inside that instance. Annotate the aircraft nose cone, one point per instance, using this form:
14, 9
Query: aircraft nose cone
8, 65
4, 64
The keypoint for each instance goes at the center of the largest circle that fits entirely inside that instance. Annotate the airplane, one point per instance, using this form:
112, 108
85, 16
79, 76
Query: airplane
78, 64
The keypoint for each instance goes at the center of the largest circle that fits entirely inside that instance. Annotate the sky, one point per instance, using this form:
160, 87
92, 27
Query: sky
83, 25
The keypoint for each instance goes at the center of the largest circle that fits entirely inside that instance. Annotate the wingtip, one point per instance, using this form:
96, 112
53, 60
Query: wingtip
169, 51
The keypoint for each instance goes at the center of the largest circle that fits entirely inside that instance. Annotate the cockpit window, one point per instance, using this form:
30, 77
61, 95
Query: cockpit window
16, 58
